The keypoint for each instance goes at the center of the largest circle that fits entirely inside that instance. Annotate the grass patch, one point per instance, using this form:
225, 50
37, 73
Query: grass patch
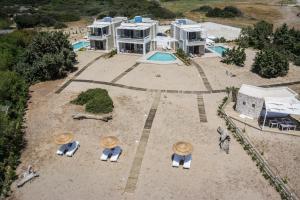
95, 100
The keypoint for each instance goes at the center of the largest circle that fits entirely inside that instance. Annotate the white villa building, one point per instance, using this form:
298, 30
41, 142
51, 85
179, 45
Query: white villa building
137, 36
102, 33
189, 36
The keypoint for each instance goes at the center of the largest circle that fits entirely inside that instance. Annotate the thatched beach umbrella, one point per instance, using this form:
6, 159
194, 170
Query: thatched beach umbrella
182, 148
64, 138
109, 142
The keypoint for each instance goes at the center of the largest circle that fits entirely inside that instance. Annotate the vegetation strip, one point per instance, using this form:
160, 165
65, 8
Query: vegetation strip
77, 74
201, 109
137, 162
203, 76
274, 179
124, 73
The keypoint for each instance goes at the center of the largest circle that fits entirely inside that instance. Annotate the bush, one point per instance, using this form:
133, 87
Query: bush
99, 104
203, 9
60, 25
96, 100
49, 56
227, 12
269, 63
235, 56
183, 56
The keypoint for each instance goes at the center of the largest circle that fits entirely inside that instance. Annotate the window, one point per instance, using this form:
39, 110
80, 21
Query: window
244, 103
253, 105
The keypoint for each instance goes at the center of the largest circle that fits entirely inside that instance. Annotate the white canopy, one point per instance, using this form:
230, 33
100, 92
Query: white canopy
286, 105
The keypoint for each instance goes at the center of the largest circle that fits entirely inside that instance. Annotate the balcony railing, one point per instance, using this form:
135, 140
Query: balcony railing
196, 42
123, 38
97, 37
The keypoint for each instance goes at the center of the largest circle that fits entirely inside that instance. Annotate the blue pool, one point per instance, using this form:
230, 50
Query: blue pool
81, 44
160, 56
218, 49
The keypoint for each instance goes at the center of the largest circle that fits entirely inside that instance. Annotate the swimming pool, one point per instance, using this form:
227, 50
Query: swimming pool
80, 45
164, 57
218, 49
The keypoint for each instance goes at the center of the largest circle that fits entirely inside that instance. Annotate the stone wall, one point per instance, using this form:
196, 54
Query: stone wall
248, 105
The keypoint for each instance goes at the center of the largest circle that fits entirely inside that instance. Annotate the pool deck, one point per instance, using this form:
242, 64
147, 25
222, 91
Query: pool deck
145, 58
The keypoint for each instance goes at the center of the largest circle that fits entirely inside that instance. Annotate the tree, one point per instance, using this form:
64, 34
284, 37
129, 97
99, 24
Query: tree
235, 56
269, 63
49, 56
258, 36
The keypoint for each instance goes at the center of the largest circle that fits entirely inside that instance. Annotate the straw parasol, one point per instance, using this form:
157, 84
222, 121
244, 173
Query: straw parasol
64, 138
182, 148
109, 142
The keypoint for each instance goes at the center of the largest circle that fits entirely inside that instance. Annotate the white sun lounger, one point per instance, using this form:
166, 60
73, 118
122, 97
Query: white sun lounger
187, 162
105, 154
115, 154
176, 160
72, 147
62, 149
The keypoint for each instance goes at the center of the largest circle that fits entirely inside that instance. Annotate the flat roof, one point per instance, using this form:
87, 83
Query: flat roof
135, 26
260, 92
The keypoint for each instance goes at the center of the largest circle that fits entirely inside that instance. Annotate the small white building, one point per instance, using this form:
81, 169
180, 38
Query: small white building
254, 101
189, 35
102, 33
137, 35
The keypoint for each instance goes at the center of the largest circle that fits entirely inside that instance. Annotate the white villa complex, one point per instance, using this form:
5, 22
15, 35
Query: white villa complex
190, 36
137, 35
102, 33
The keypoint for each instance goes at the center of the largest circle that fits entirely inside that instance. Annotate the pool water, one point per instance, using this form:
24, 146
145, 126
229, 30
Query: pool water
218, 49
160, 56
81, 44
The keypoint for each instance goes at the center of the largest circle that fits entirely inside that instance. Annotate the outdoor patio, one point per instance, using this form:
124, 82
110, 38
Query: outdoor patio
272, 124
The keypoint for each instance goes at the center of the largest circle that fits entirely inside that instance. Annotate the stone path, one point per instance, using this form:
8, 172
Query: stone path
201, 109
203, 76
137, 162
124, 73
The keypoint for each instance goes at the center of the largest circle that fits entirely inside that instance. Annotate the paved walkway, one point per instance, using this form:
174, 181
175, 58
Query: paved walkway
137, 162
201, 109
203, 76
124, 73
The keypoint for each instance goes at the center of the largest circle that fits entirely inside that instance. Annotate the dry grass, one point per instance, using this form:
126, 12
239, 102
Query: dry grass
269, 10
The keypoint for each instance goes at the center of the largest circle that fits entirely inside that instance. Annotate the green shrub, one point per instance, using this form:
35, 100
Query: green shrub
227, 12
235, 56
84, 97
60, 25
183, 56
99, 104
269, 63
204, 9
95, 101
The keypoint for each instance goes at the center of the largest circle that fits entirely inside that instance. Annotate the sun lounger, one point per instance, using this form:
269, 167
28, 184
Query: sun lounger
62, 149
105, 154
187, 162
72, 147
176, 160
115, 154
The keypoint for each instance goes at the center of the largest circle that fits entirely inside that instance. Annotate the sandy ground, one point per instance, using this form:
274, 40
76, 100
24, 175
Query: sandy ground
108, 69
280, 150
213, 174
216, 73
164, 77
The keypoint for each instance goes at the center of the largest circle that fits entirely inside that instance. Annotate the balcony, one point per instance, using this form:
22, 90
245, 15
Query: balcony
195, 41
128, 39
97, 37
